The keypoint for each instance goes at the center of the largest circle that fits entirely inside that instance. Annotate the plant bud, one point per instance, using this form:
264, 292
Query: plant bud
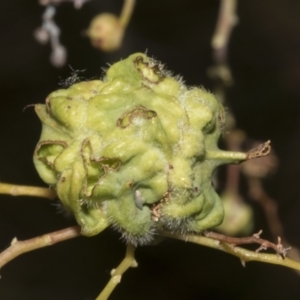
106, 32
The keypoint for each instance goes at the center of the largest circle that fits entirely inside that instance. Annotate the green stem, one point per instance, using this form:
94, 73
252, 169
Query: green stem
23, 190
224, 157
117, 273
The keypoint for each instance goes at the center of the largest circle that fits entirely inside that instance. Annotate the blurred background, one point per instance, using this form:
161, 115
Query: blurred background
264, 56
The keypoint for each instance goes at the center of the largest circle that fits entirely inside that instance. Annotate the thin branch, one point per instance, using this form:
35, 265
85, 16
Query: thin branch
221, 72
50, 31
259, 151
219, 242
243, 254
227, 19
77, 3
126, 12
269, 206
254, 239
116, 274
17, 248
24, 190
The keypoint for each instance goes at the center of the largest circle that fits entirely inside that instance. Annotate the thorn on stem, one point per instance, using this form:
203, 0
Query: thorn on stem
257, 235
263, 246
14, 241
117, 279
134, 264
112, 272
255, 238
282, 251
243, 263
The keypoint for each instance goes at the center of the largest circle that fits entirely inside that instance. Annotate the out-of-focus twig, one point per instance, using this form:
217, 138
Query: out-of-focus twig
50, 31
24, 190
226, 21
220, 72
77, 3
126, 12
254, 172
256, 192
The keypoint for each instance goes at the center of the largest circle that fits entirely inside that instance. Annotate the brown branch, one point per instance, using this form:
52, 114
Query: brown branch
254, 239
23, 190
19, 247
269, 206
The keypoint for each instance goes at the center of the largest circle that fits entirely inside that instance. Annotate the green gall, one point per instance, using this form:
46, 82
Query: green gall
135, 151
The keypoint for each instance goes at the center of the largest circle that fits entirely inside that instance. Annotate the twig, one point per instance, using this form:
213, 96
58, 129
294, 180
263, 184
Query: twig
77, 3
23, 190
212, 240
243, 254
269, 206
271, 211
255, 238
221, 72
227, 19
116, 274
19, 247
50, 31
126, 12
